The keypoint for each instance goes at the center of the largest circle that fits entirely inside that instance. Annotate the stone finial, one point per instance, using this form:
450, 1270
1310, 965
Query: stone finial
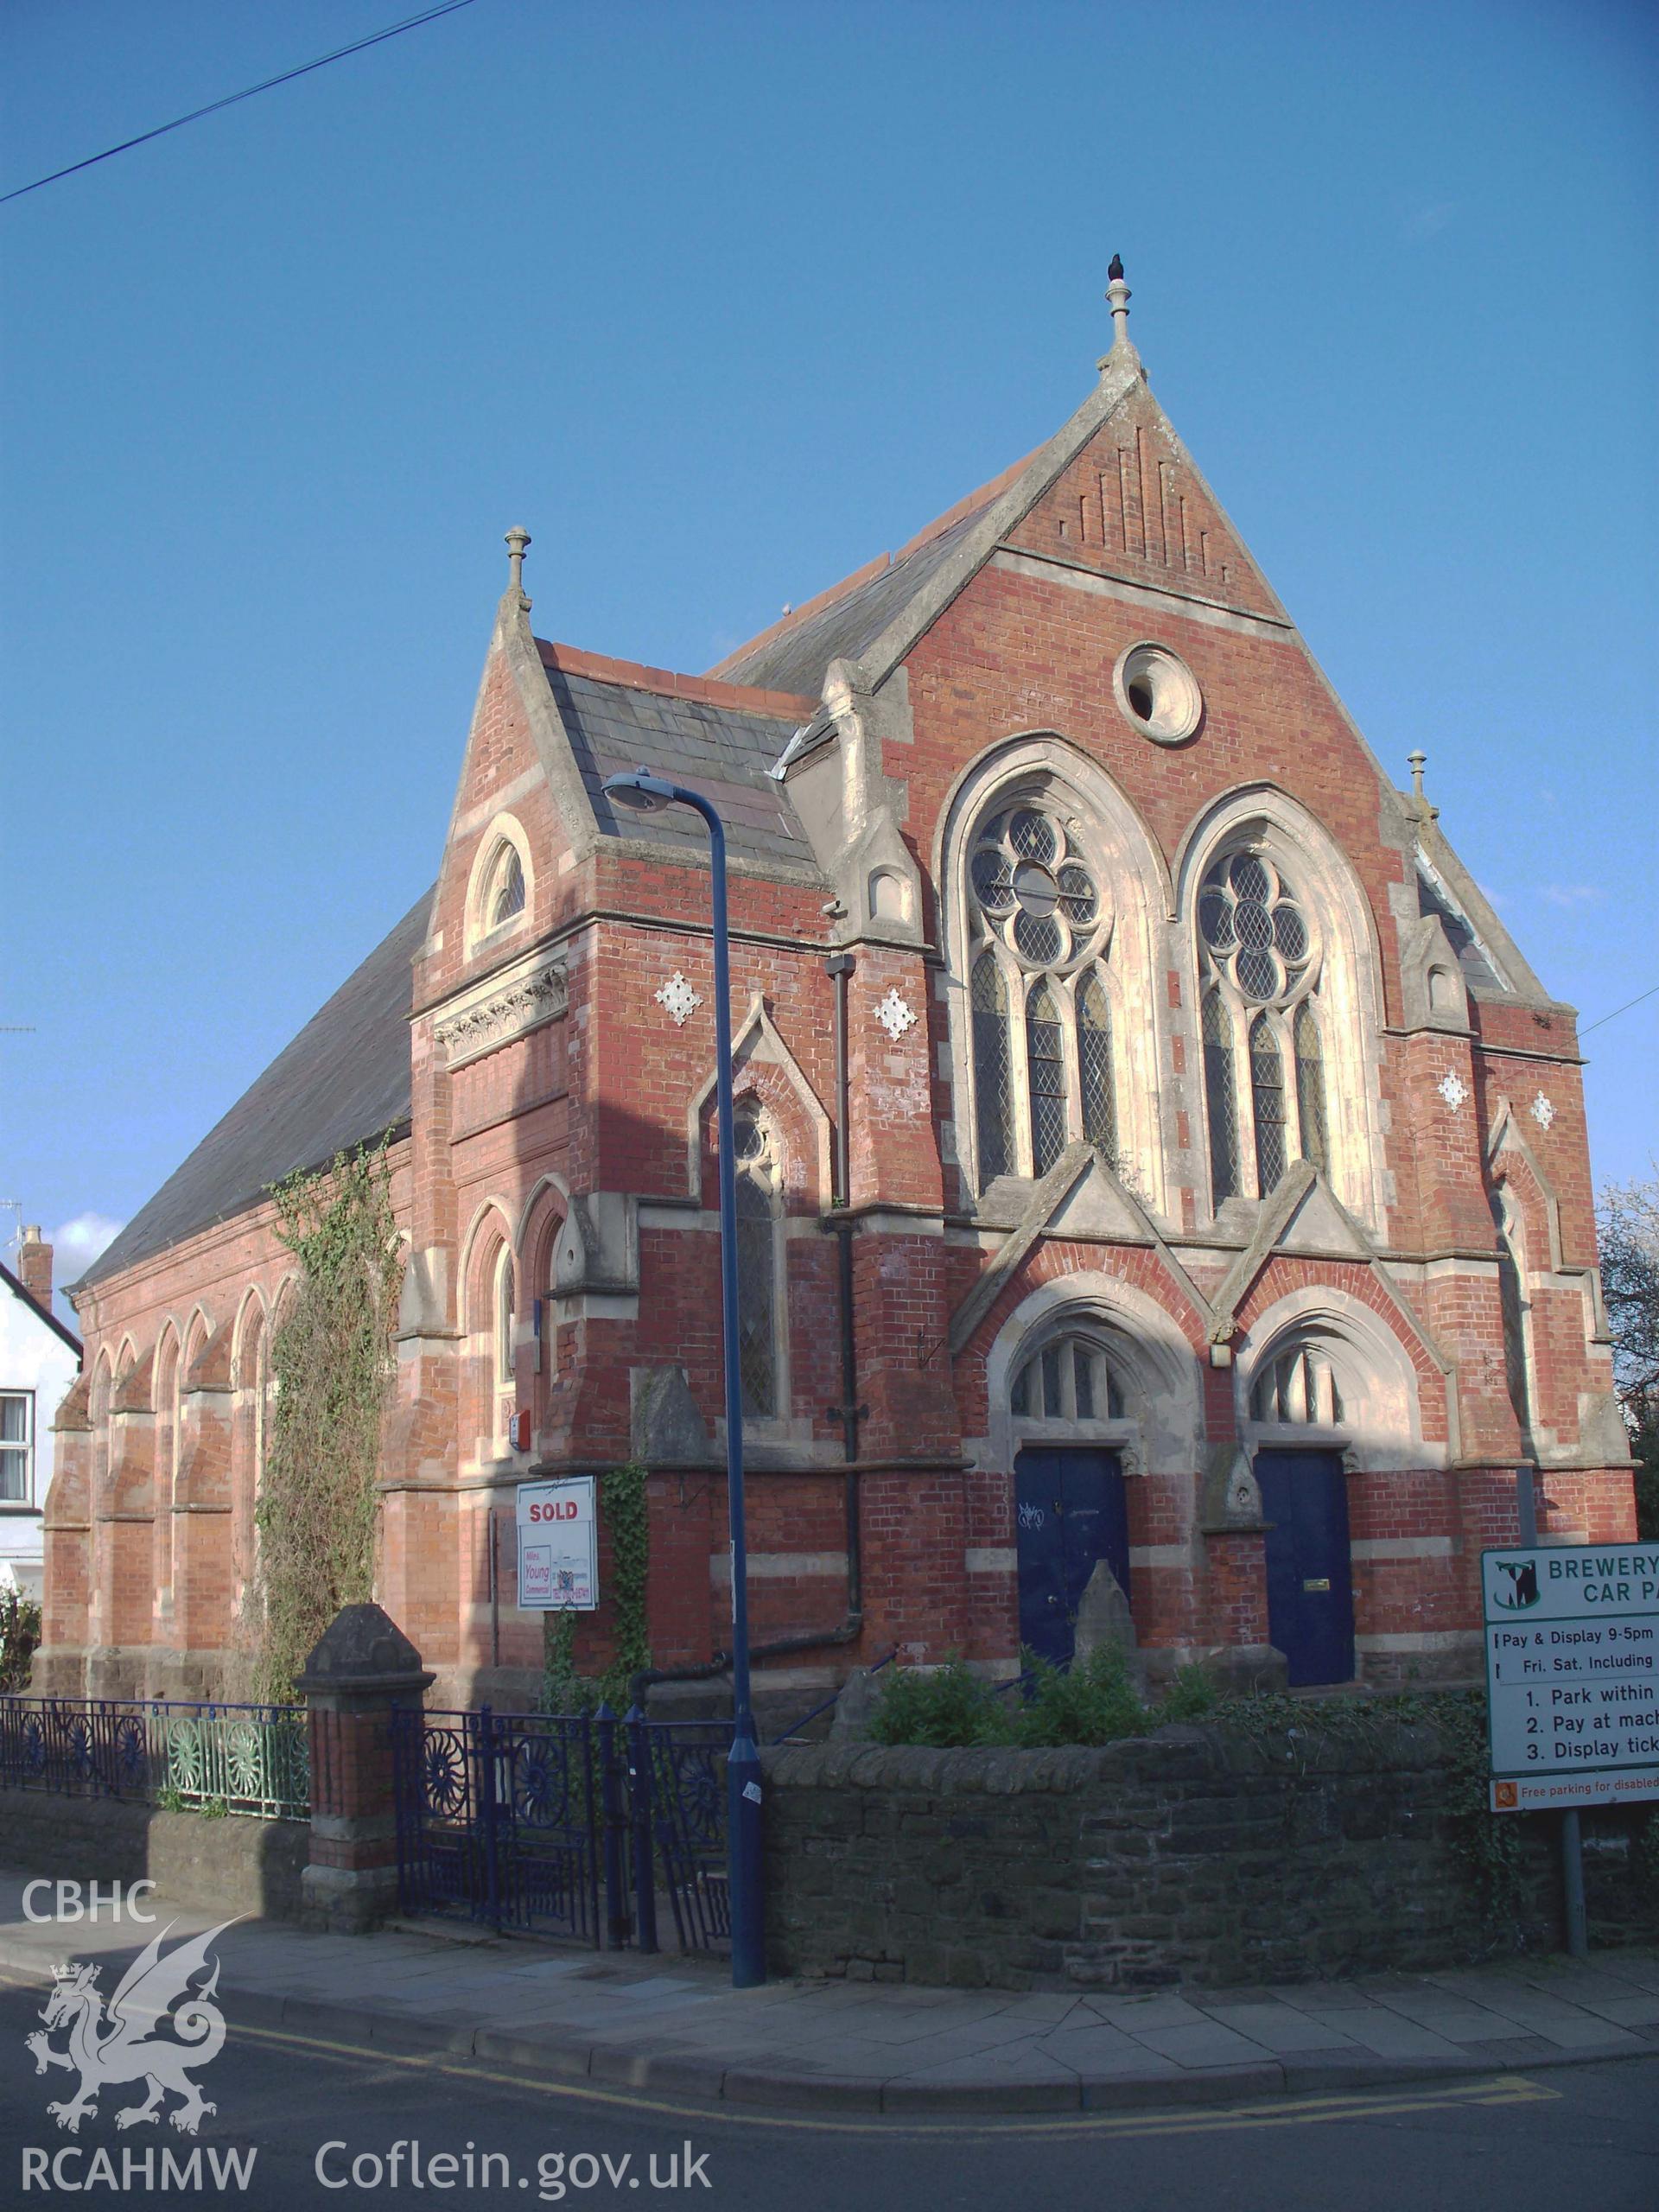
1417, 762
518, 539
1118, 296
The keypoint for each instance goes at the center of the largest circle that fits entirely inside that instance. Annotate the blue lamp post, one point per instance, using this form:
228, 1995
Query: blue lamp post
649, 794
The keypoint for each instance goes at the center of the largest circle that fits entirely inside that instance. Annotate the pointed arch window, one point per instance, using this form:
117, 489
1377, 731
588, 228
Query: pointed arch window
1514, 1306
1260, 963
1041, 926
1298, 1388
757, 1260
504, 899
1070, 1379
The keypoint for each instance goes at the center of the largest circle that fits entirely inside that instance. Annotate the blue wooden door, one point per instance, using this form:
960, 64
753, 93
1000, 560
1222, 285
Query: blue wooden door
1310, 1580
1071, 1512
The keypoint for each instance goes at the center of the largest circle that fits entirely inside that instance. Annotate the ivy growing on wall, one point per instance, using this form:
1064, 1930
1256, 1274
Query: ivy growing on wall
627, 1517
332, 1367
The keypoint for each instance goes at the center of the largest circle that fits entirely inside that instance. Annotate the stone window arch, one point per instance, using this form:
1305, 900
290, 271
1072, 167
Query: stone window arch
499, 892
1074, 1378
1284, 965
1321, 1368
1053, 902
1038, 913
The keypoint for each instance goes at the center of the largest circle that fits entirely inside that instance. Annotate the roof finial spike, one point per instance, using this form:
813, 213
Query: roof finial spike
1417, 762
518, 539
1118, 296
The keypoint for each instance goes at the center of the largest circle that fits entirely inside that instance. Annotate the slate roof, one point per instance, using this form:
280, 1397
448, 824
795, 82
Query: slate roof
724, 750
344, 1079
794, 658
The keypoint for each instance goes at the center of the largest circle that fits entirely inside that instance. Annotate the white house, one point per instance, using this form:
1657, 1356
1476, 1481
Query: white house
39, 1357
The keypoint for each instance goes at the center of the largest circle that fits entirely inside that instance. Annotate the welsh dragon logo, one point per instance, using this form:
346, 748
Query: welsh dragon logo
109, 2050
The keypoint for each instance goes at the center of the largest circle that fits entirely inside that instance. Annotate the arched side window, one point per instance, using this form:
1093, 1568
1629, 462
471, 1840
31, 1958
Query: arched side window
1516, 1310
1040, 928
1071, 1379
1299, 1386
1260, 966
506, 896
168, 1409
501, 1348
758, 1185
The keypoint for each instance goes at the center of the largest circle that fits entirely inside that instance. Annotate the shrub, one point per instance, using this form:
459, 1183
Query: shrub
1092, 1702
19, 1631
945, 1707
1193, 1695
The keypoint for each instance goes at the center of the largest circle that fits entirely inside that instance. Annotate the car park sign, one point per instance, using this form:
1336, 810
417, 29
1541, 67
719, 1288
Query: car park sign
1571, 1634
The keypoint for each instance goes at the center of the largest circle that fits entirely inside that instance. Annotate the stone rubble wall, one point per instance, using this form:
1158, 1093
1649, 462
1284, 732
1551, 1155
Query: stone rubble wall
1185, 1857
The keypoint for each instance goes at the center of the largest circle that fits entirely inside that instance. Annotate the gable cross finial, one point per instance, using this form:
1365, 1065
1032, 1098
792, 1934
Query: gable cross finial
518, 539
1118, 296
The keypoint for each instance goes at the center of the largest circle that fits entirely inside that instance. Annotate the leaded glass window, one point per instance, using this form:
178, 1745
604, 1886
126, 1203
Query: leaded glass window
1259, 959
1095, 1065
1045, 1075
503, 1321
1512, 1301
993, 1072
757, 1264
1040, 922
1310, 1089
1220, 1098
1267, 1098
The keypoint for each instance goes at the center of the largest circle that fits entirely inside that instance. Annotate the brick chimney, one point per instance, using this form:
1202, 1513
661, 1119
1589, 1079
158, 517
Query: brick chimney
35, 1266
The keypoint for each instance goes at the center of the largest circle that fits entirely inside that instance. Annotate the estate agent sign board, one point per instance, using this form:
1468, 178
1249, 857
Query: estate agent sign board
558, 1547
1572, 1673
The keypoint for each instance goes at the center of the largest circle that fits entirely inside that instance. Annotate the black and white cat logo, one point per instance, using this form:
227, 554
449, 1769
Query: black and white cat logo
1523, 1583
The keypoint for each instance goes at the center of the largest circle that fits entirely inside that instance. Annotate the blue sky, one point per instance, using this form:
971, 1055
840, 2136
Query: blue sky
721, 300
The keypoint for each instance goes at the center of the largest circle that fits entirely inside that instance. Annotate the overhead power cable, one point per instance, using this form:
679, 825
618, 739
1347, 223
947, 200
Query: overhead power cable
1617, 1010
375, 38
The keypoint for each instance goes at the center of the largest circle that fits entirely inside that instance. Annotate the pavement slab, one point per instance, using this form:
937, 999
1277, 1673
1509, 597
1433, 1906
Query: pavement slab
676, 2026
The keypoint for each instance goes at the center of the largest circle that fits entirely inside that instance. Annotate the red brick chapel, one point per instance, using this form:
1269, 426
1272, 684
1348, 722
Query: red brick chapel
1156, 1159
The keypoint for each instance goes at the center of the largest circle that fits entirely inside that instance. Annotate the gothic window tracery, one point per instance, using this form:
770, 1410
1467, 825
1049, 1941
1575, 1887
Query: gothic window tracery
1260, 1019
1070, 1379
1039, 926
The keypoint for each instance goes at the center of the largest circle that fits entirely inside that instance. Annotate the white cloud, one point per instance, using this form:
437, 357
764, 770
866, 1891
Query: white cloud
79, 1241
1575, 895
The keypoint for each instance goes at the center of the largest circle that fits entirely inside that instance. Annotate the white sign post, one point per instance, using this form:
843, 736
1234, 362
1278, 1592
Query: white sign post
1571, 1675
558, 1547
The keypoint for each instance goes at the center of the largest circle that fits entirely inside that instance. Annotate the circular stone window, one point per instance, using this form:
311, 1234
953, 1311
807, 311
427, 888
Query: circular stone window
1158, 693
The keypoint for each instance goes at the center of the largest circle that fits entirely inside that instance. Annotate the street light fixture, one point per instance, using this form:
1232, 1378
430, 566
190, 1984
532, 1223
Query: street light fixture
647, 794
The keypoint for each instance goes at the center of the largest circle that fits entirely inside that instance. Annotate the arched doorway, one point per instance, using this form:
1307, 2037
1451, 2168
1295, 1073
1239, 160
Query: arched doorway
1070, 1505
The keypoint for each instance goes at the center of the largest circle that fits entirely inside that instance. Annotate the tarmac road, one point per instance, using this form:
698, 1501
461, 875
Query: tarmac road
1573, 2136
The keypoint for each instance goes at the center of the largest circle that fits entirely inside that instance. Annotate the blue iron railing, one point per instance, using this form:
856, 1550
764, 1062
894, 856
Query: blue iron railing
234, 1758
